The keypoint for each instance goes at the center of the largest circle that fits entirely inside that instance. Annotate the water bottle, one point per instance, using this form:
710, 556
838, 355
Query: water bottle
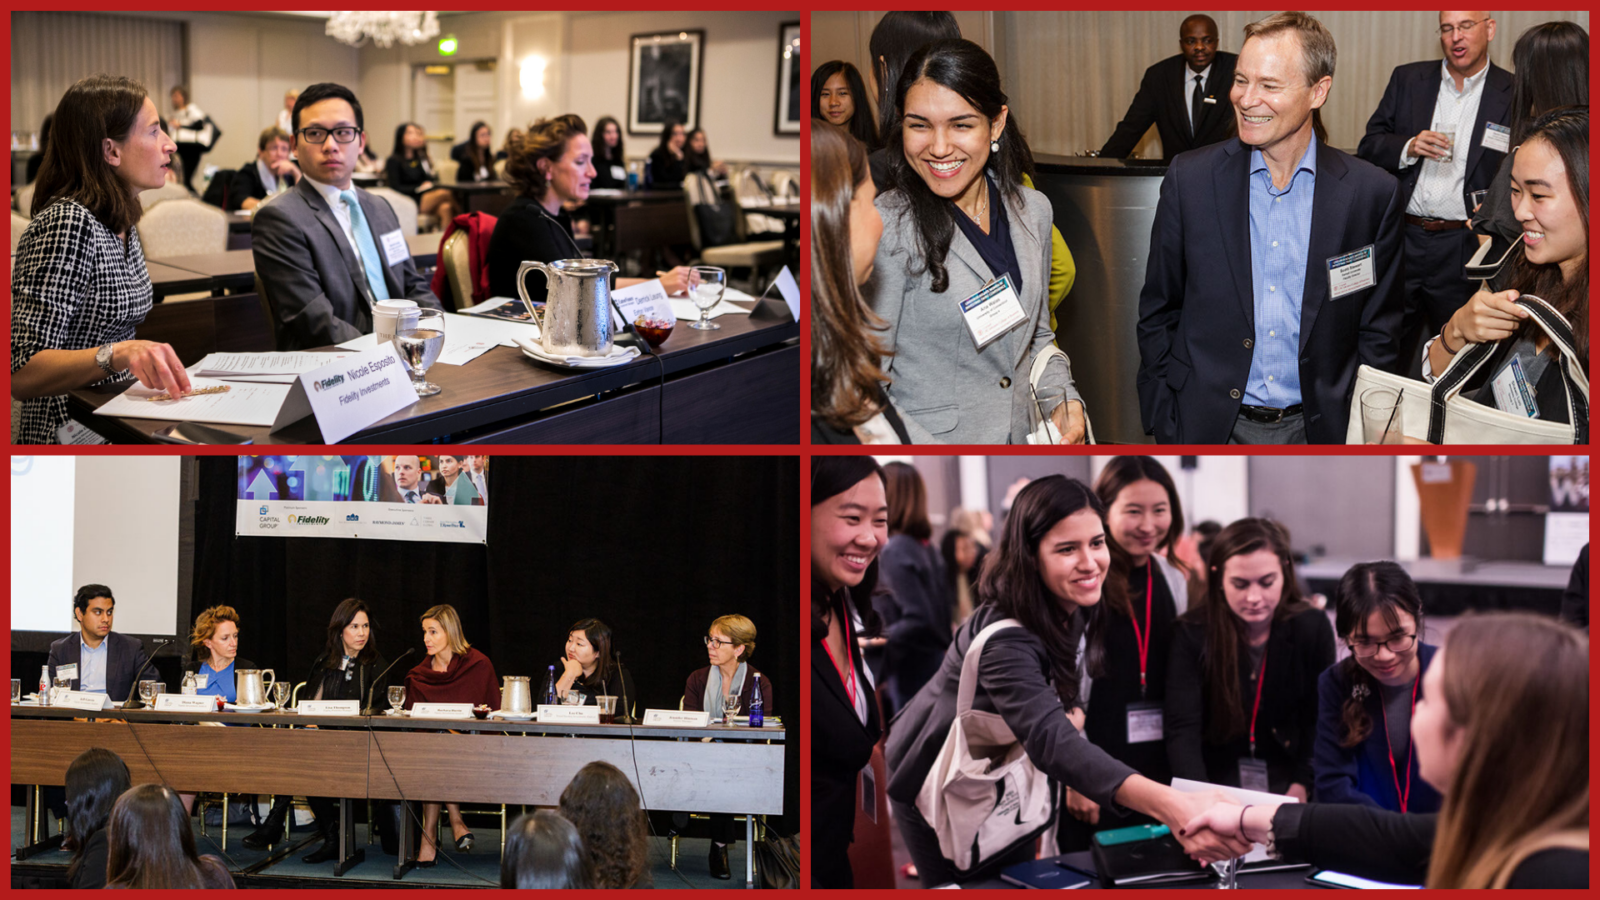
647, 173
755, 703
633, 175
44, 685
550, 688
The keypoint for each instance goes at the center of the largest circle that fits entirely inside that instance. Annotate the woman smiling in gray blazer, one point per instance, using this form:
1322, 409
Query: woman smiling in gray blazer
952, 229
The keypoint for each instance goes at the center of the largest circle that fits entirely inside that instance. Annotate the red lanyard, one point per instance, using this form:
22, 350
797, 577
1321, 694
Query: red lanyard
1261, 679
1406, 794
1144, 641
850, 682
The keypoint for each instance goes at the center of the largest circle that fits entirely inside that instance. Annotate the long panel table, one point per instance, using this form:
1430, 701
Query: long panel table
404, 759
235, 270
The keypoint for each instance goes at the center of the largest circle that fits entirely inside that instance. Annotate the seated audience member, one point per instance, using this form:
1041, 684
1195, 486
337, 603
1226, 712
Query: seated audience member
449, 487
285, 120
271, 172
1502, 731
193, 131
327, 251
610, 162
667, 168
368, 163
730, 641
94, 782
1575, 599
105, 661
79, 285
839, 97
409, 170
603, 806
475, 155
697, 157
543, 850
1364, 752
151, 845
214, 648
590, 667
453, 673
1241, 704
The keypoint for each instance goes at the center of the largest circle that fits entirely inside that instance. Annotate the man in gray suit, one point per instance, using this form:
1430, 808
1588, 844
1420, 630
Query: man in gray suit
326, 251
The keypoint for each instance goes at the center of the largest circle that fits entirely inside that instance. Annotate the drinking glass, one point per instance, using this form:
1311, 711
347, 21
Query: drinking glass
161, 688
1475, 202
1042, 428
730, 708
147, 691
419, 342
1382, 417
397, 698
61, 684
280, 693
608, 708
1450, 140
706, 284
573, 698
16, 691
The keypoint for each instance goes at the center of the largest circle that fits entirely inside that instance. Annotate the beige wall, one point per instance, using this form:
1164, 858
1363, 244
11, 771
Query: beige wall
1071, 75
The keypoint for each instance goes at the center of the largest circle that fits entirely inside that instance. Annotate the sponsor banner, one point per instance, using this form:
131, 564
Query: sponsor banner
400, 498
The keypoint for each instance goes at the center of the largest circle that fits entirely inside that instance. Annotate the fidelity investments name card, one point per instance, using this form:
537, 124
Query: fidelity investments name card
349, 394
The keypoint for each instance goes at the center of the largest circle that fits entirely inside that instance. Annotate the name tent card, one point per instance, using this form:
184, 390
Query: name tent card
441, 710
679, 717
185, 703
330, 707
790, 291
86, 700
648, 299
349, 394
569, 715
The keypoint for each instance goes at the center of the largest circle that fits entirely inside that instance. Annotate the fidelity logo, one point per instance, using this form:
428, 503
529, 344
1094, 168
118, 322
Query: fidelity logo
308, 520
327, 383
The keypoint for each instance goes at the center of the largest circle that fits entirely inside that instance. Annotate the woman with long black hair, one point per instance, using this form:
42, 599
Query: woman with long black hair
839, 97
94, 782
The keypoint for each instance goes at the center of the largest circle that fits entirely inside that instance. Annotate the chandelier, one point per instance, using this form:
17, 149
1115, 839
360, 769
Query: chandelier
383, 27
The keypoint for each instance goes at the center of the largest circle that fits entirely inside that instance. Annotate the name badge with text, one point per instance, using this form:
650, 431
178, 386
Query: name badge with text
992, 311
678, 717
1496, 137
1351, 272
185, 703
68, 672
1512, 392
89, 700
442, 711
1253, 774
395, 249
570, 715
619, 173
330, 707
1144, 722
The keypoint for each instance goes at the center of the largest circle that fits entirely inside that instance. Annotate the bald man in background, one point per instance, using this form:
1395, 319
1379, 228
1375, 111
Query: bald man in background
1184, 96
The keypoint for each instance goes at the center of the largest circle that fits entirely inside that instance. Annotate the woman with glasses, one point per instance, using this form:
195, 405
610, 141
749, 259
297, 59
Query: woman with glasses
1242, 675
1364, 752
730, 641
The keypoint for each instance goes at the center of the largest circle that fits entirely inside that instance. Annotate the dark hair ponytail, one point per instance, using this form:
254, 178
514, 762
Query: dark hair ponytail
1367, 588
965, 68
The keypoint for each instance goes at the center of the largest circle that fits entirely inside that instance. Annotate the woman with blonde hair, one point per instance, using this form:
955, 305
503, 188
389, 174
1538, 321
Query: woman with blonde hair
454, 672
1502, 731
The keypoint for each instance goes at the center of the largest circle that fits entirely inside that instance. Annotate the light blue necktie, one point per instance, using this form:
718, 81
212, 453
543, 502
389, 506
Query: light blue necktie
370, 261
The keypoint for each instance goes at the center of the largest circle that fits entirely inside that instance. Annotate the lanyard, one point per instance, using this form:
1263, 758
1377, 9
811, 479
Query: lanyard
1143, 641
1410, 748
849, 682
1261, 679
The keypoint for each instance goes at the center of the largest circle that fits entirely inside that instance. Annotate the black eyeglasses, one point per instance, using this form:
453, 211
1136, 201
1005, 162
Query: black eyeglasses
320, 135
712, 642
1397, 645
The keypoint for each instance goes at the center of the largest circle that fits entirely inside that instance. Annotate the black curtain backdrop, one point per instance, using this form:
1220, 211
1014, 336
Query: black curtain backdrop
655, 547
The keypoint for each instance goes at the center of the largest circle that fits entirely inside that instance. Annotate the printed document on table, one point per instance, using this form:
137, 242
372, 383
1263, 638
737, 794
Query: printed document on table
686, 310
242, 404
465, 337
273, 368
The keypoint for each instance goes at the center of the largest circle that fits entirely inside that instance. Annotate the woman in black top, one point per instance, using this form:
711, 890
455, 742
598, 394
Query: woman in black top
697, 156
610, 162
1145, 594
1047, 574
589, 666
1241, 705
667, 169
150, 845
1502, 731
839, 97
475, 155
94, 782
409, 170
916, 605
849, 526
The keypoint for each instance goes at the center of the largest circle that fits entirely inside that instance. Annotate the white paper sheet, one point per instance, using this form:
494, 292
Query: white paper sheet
279, 368
243, 404
466, 337
686, 310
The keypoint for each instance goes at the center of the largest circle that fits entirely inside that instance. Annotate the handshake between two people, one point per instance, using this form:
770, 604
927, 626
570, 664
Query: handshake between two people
1220, 828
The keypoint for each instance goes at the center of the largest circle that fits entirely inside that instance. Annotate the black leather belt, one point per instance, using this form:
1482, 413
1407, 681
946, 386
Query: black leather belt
1434, 224
1269, 415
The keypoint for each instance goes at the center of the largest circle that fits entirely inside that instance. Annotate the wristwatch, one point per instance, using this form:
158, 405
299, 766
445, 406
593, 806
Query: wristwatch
102, 358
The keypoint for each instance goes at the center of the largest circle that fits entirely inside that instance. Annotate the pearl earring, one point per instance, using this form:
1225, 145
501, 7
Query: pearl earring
994, 146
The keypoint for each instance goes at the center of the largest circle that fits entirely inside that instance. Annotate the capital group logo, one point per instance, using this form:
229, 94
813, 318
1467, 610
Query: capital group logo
264, 509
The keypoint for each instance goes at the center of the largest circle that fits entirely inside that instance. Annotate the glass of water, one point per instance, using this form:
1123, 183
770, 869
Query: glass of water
1450, 143
573, 698
147, 691
61, 684
419, 342
397, 698
280, 693
161, 688
16, 691
706, 284
730, 708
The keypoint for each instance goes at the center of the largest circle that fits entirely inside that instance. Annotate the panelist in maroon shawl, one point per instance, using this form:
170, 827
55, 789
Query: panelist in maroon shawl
452, 673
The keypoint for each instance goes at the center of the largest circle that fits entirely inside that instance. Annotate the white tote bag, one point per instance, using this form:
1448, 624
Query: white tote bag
1439, 414
983, 795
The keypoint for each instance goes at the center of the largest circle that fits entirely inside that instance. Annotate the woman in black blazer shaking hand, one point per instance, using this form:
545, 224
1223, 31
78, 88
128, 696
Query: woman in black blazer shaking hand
1241, 706
849, 526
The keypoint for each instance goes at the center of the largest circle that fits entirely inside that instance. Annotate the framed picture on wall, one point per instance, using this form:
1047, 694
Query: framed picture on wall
664, 80
786, 114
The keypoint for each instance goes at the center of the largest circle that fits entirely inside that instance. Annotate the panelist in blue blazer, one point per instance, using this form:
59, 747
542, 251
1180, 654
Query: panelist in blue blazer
1274, 266
1364, 753
104, 661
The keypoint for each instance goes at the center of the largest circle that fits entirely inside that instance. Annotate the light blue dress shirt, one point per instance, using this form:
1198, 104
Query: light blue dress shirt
92, 666
219, 684
1280, 239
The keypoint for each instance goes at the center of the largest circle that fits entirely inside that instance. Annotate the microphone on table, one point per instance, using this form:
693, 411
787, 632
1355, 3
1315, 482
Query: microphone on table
661, 368
627, 711
379, 680
133, 701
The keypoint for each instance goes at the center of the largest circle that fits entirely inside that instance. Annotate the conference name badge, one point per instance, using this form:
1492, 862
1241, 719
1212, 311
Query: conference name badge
70, 672
1512, 393
618, 173
992, 311
395, 250
1253, 774
1496, 137
1144, 723
1351, 272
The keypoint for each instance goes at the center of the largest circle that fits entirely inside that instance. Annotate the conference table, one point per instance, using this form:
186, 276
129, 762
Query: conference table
1083, 862
712, 769
235, 270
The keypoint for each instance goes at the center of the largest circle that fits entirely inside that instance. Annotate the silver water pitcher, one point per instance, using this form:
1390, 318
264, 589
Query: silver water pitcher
516, 694
577, 310
251, 691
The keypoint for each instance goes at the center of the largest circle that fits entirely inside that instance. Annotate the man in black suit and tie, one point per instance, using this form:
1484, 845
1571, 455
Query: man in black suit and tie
1274, 269
269, 173
1184, 96
97, 658
327, 251
1443, 128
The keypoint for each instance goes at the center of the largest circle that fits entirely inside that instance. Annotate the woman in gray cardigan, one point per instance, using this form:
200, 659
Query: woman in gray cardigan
957, 220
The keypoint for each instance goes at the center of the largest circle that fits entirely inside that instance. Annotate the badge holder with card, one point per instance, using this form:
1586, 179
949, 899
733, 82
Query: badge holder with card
992, 311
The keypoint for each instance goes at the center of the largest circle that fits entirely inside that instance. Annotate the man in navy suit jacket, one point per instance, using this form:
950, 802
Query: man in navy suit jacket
1470, 96
1166, 96
113, 672
1274, 264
